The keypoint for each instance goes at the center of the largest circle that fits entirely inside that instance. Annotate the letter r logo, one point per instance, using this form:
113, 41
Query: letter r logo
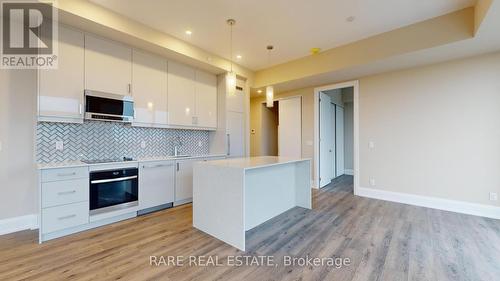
26, 28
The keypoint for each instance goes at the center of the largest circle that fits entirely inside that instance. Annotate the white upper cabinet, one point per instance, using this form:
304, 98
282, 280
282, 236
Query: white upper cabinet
181, 95
108, 66
236, 102
61, 90
149, 89
206, 99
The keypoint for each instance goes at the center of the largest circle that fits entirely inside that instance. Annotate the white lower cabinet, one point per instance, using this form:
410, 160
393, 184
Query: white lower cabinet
156, 184
64, 199
64, 192
184, 179
65, 216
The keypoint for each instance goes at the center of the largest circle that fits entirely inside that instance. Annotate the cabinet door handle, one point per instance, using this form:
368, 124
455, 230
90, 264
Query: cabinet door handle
129, 88
66, 217
178, 167
158, 166
66, 192
67, 174
80, 109
228, 144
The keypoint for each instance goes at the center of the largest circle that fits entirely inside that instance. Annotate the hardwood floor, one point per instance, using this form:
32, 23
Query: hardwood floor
382, 240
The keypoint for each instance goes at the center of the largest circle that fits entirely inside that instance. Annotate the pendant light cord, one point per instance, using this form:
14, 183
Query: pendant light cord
231, 44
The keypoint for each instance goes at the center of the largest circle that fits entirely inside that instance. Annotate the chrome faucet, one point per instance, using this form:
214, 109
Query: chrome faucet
177, 144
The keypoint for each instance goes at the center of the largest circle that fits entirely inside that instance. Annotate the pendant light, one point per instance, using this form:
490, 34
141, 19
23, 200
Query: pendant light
270, 88
231, 75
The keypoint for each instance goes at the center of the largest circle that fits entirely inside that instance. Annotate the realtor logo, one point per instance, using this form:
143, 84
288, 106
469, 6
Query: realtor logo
29, 35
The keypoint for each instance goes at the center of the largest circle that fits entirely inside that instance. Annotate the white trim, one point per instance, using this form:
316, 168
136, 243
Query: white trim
355, 85
432, 202
15, 224
349, 172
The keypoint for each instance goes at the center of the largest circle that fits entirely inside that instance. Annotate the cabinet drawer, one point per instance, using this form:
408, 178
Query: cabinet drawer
65, 174
64, 192
66, 216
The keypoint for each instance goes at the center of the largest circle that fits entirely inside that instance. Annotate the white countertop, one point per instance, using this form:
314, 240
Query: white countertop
69, 164
254, 162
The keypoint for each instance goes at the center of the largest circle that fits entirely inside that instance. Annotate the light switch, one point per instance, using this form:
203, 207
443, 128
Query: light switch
59, 145
372, 182
493, 196
371, 144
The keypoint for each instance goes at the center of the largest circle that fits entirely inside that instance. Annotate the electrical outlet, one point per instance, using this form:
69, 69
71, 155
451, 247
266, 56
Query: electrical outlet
493, 196
200, 144
59, 145
143, 144
372, 182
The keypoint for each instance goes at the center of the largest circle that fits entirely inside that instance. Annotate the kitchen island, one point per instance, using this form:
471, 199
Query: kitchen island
234, 195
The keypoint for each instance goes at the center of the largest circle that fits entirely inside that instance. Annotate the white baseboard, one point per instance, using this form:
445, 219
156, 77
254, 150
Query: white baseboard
18, 223
431, 202
349, 172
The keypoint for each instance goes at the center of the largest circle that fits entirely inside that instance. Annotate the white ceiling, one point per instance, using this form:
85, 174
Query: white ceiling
486, 41
292, 26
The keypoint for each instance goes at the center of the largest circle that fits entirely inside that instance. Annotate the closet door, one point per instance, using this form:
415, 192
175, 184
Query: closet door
326, 141
339, 140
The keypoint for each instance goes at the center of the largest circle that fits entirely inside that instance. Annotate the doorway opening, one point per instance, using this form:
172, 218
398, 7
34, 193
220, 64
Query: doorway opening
336, 133
281, 133
270, 124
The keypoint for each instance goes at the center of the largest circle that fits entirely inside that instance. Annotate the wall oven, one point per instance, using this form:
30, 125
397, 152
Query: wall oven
108, 107
113, 190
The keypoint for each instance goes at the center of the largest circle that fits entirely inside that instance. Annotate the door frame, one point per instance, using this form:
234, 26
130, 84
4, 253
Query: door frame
355, 85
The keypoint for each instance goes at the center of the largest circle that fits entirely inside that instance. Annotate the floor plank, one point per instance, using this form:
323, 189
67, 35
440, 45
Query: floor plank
382, 240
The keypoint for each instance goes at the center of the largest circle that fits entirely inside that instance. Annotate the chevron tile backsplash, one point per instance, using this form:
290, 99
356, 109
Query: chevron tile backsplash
104, 140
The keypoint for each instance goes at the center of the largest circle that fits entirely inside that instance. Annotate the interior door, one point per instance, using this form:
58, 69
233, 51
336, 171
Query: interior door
325, 140
333, 139
290, 127
339, 140
235, 134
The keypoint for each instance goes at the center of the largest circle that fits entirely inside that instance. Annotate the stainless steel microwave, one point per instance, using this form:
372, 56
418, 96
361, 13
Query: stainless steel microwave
108, 107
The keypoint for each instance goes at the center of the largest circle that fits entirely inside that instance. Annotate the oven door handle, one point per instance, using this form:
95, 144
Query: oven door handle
113, 180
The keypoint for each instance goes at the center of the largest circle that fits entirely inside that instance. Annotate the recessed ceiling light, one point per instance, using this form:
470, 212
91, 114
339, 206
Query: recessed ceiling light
259, 91
189, 32
350, 19
239, 57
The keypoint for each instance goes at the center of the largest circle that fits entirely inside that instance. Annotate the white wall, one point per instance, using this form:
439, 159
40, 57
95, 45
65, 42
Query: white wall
436, 130
17, 119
